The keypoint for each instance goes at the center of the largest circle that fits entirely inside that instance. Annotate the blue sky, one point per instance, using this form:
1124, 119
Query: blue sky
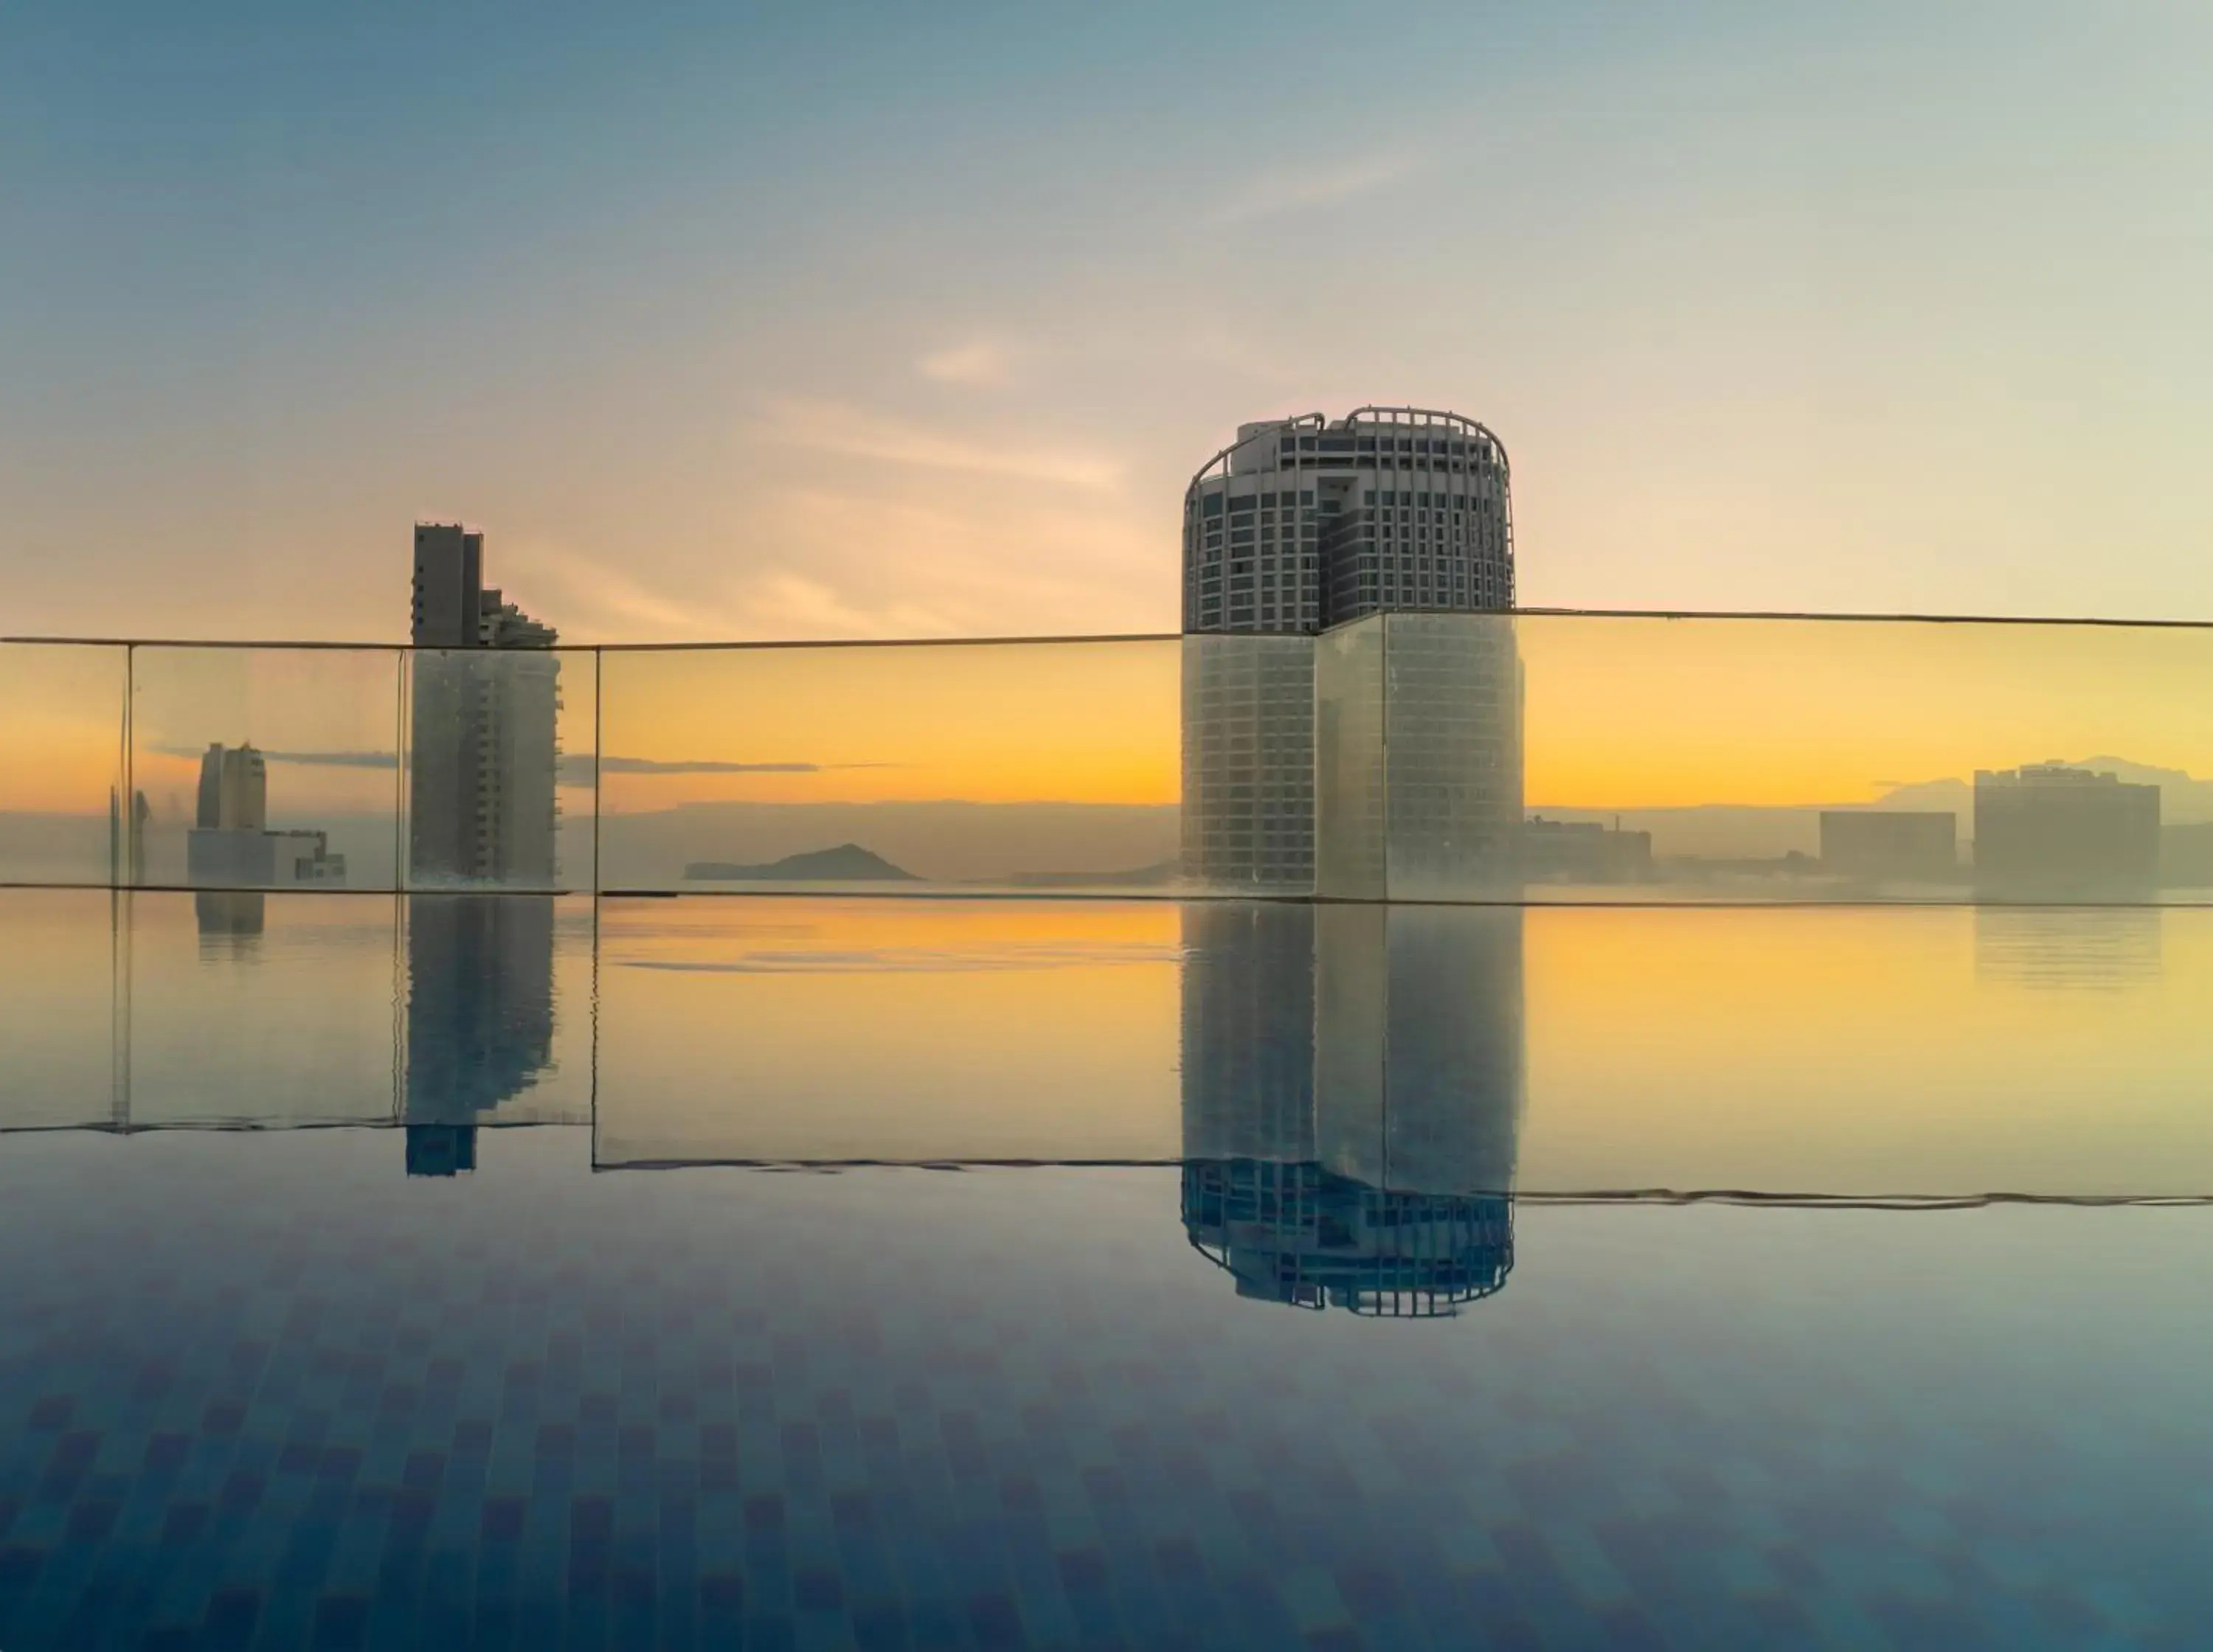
908, 321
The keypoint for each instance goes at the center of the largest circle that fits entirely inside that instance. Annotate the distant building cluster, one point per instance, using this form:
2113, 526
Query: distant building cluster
2042, 828
1874, 843
229, 845
1584, 851
2047, 820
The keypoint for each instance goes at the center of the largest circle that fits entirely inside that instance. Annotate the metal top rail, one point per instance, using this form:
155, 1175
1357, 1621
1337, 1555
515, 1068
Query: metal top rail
1738, 614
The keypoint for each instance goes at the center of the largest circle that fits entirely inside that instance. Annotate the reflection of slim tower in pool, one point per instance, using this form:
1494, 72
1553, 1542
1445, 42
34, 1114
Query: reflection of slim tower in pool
1352, 1083
479, 1017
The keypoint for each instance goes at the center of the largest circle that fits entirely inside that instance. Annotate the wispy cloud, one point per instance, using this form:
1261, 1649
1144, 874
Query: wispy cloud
909, 961
784, 603
966, 560
624, 605
980, 361
765, 602
582, 762
829, 428
575, 766
614, 765
1294, 189
308, 759
806, 543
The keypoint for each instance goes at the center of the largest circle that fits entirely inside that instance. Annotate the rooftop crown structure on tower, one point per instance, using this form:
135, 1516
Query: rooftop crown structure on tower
1305, 523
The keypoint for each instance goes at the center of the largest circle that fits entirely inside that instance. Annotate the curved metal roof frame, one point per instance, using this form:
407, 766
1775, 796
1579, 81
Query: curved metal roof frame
1435, 416
1370, 414
1318, 421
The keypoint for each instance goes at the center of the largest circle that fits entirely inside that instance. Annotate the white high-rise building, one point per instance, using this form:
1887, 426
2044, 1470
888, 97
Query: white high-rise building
1306, 525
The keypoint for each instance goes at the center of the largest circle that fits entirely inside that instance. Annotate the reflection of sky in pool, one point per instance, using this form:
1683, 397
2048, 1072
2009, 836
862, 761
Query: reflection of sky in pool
600, 1383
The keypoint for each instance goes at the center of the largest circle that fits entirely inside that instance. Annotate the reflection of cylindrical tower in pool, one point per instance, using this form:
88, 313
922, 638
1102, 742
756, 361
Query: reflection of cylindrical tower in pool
1353, 1085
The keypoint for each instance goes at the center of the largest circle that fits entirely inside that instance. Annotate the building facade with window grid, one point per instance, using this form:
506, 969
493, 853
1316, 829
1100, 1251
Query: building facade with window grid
1299, 526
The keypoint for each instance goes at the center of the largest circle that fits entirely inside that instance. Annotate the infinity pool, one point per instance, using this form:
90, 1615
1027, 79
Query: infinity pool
798, 1273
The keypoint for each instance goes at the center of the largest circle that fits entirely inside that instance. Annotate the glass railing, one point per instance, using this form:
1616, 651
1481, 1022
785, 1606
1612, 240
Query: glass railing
63, 710
967, 768
263, 768
165, 1008
1537, 758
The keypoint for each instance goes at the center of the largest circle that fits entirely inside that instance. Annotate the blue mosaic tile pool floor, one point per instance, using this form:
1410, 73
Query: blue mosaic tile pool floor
268, 1391
349, 1297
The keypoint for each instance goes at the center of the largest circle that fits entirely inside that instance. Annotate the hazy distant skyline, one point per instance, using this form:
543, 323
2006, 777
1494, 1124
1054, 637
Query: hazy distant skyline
883, 321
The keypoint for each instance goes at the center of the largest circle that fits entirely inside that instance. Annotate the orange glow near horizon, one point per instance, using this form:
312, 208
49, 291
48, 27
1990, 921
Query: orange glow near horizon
61, 732
1067, 722
1618, 714
1656, 713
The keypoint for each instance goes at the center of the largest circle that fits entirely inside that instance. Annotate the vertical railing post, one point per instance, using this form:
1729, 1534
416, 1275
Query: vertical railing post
119, 917
133, 850
599, 817
124, 846
599, 826
400, 798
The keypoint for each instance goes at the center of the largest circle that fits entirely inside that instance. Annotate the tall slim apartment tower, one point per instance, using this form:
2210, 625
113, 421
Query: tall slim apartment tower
1306, 525
486, 755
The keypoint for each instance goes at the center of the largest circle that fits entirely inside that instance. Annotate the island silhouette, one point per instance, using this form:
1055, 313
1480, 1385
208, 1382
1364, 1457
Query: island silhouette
846, 863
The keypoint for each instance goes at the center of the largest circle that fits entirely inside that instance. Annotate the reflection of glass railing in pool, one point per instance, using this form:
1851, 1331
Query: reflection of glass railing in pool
1339, 1087
231, 1010
1538, 757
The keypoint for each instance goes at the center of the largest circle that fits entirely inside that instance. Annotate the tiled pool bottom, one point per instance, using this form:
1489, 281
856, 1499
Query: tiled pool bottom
268, 1391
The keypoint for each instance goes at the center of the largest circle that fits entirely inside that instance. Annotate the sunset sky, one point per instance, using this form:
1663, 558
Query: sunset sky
898, 320
1617, 714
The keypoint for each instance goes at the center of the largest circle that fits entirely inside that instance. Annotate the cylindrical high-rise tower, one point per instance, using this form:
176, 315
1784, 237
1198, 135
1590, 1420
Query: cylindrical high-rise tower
1301, 524
1304, 525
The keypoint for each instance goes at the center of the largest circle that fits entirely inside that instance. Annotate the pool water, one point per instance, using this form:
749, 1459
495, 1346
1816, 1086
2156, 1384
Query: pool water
804, 1273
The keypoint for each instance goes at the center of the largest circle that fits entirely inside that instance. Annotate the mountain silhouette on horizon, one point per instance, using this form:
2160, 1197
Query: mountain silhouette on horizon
846, 863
